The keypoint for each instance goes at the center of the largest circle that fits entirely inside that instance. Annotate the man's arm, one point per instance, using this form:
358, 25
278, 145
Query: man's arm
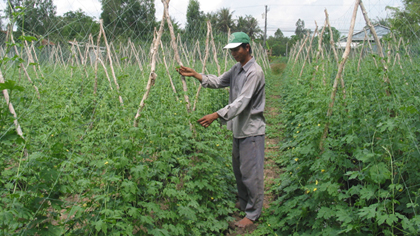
185, 71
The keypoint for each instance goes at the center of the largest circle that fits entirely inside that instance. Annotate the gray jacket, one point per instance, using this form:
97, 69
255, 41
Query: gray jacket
244, 114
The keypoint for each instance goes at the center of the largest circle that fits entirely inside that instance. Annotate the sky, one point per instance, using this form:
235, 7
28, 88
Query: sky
282, 14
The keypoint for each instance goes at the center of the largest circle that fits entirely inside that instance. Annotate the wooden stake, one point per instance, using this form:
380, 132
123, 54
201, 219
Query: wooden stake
177, 58
110, 61
11, 108
339, 74
152, 76
167, 71
23, 67
97, 53
309, 50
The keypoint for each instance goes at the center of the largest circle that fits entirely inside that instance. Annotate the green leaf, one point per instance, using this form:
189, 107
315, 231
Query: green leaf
368, 212
379, 173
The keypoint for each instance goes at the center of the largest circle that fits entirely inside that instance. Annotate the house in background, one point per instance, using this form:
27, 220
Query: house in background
365, 34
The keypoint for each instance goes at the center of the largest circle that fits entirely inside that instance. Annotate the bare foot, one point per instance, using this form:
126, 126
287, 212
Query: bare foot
244, 223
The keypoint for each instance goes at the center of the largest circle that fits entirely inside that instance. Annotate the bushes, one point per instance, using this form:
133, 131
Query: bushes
365, 182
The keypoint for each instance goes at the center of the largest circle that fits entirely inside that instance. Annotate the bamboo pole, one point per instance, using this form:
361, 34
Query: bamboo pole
23, 67
300, 50
152, 76
167, 71
339, 74
319, 52
332, 43
30, 58
309, 50
136, 56
361, 53
95, 87
177, 57
378, 42
110, 62
227, 51
36, 58
204, 63
11, 108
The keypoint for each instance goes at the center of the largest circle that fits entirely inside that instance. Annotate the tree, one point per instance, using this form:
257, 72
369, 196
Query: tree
249, 25
300, 28
278, 34
129, 18
326, 38
224, 20
196, 23
77, 25
406, 22
35, 17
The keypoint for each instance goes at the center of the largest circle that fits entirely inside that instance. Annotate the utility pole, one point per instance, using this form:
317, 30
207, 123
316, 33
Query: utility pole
265, 27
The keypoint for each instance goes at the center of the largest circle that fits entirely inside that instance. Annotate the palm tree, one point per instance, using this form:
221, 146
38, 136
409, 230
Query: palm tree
249, 25
224, 20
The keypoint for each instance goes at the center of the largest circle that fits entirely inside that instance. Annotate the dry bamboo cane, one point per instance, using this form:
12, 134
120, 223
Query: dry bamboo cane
95, 87
179, 42
389, 52
214, 51
177, 58
361, 53
199, 52
167, 71
110, 61
371, 49
309, 50
61, 57
82, 60
339, 74
405, 46
319, 52
397, 56
113, 52
204, 62
300, 50
11, 108
130, 55
36, 58
136, 56
152, 76
30, 58
72, 59
227, 51
23, 67
332, 43
378, 42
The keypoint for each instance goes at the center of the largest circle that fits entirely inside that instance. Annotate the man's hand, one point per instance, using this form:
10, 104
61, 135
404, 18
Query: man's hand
185, 71
208, 119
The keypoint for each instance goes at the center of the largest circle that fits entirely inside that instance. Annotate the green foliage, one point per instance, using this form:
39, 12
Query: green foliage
129, 18
84, 169
405, 22
365, 180
36, 17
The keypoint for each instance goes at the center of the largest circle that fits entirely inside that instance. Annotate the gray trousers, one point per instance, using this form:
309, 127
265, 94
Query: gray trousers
248, 167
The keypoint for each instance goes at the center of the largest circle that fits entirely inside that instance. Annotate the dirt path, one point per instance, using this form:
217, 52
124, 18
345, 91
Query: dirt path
271, 169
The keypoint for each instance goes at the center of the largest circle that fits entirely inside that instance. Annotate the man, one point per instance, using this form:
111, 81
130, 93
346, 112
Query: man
244, 116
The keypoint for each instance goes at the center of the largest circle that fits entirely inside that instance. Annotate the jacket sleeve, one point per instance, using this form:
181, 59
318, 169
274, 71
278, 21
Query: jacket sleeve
212, 81
230, 111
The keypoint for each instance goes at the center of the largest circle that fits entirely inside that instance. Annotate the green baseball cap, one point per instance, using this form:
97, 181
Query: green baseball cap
237, 39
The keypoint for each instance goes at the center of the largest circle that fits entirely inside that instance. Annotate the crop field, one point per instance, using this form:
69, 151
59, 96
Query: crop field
101, 138
81, 166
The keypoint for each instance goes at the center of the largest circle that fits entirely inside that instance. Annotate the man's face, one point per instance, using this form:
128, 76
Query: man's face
239, 53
